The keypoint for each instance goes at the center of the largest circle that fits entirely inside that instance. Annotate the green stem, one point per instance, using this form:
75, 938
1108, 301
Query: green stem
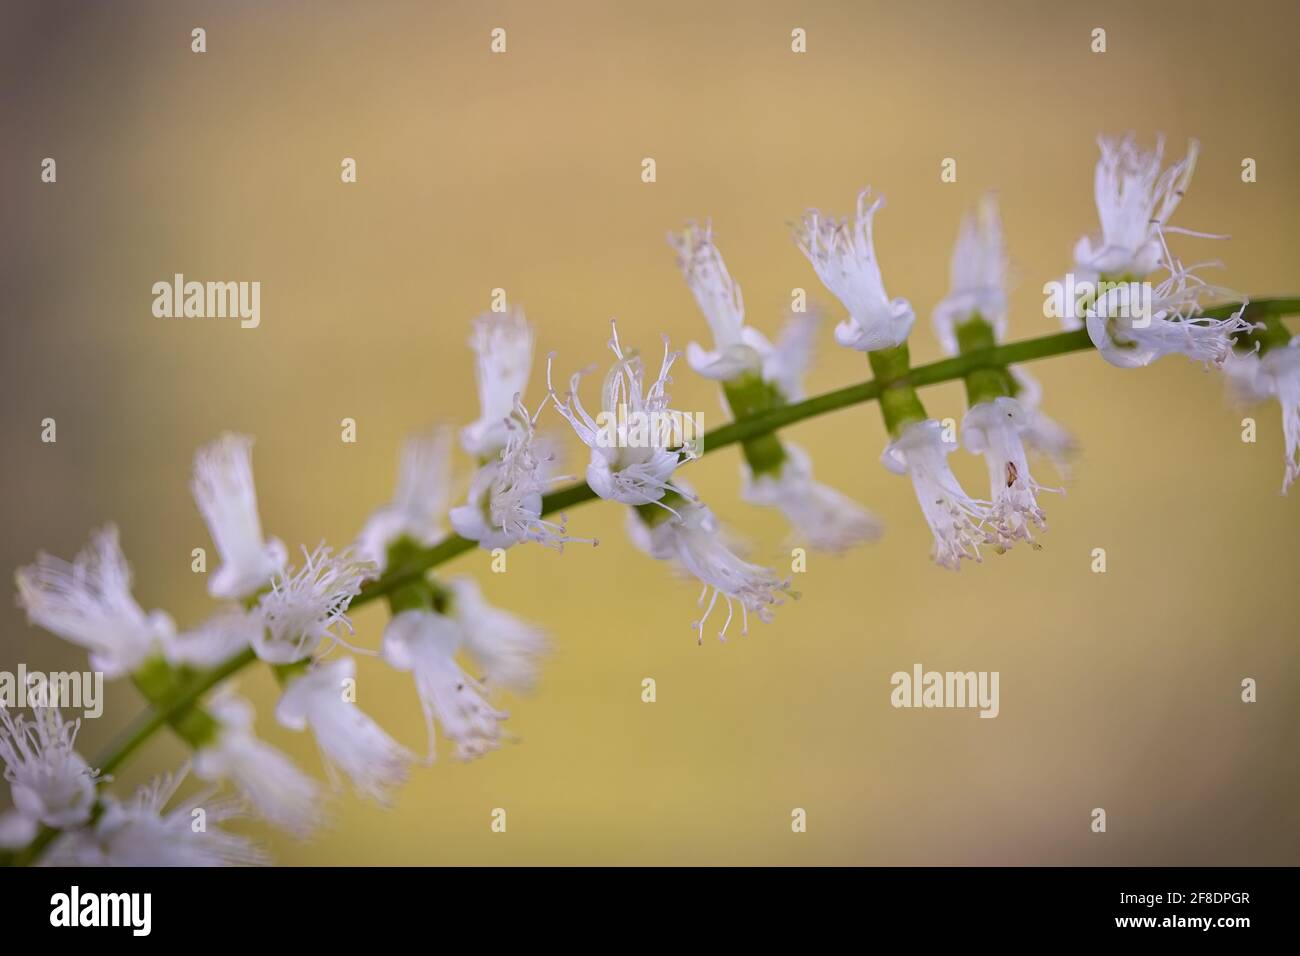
416, 563
154, 718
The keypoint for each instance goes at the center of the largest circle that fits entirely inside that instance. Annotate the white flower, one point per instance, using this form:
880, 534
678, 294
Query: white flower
994, 429
139, 833
216, 639
978, 277
1134, 202
223, 488
503, 347
739, 348
821, 516
1274, 374
693, 539
349, 740
736, 347
958, 521
1132, 327
506, 647
845, 260
425, 643
280, 792
634, 472
89, 603
1041, 433
505, 496
979, 281
304, 608
51, 783
423, 493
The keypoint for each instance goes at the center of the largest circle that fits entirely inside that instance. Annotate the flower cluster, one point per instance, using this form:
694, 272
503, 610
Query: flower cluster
1139, 304
291, 618
756, 375
1003, 417
1136, 196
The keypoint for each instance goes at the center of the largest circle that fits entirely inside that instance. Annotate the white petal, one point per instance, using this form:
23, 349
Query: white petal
89, 603
224, 491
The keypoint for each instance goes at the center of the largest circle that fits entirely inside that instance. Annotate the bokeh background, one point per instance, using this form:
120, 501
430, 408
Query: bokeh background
522, 171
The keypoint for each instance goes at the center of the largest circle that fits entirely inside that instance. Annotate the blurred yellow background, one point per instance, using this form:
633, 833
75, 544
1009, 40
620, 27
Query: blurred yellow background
522, 171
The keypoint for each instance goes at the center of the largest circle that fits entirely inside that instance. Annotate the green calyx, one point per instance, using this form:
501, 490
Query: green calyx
161, 684
899, 403
420, 594
656, 513
748, 395
989, 382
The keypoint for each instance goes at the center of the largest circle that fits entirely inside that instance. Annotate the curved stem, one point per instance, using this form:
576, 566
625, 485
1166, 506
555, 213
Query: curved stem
152, 719
415, 567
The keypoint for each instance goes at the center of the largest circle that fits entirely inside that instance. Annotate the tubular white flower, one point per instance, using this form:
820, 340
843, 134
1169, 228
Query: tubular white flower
89, 603
224, 491
693, 539
304, 608
1041, 433
417, 509
1134, 202
1130, 333
821, 516
1275, 374
425, 643
620, 469
503, 348
845, 261
959, 523
739, 348
349, 741
280, 792
978, 277
140, 833
993, 429
51, 783
505, 646
736, 347
505, 496
216, 639
978, 290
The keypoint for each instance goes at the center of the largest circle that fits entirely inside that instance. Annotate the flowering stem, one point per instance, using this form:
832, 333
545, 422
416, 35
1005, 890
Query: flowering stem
893, 376
766, 422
